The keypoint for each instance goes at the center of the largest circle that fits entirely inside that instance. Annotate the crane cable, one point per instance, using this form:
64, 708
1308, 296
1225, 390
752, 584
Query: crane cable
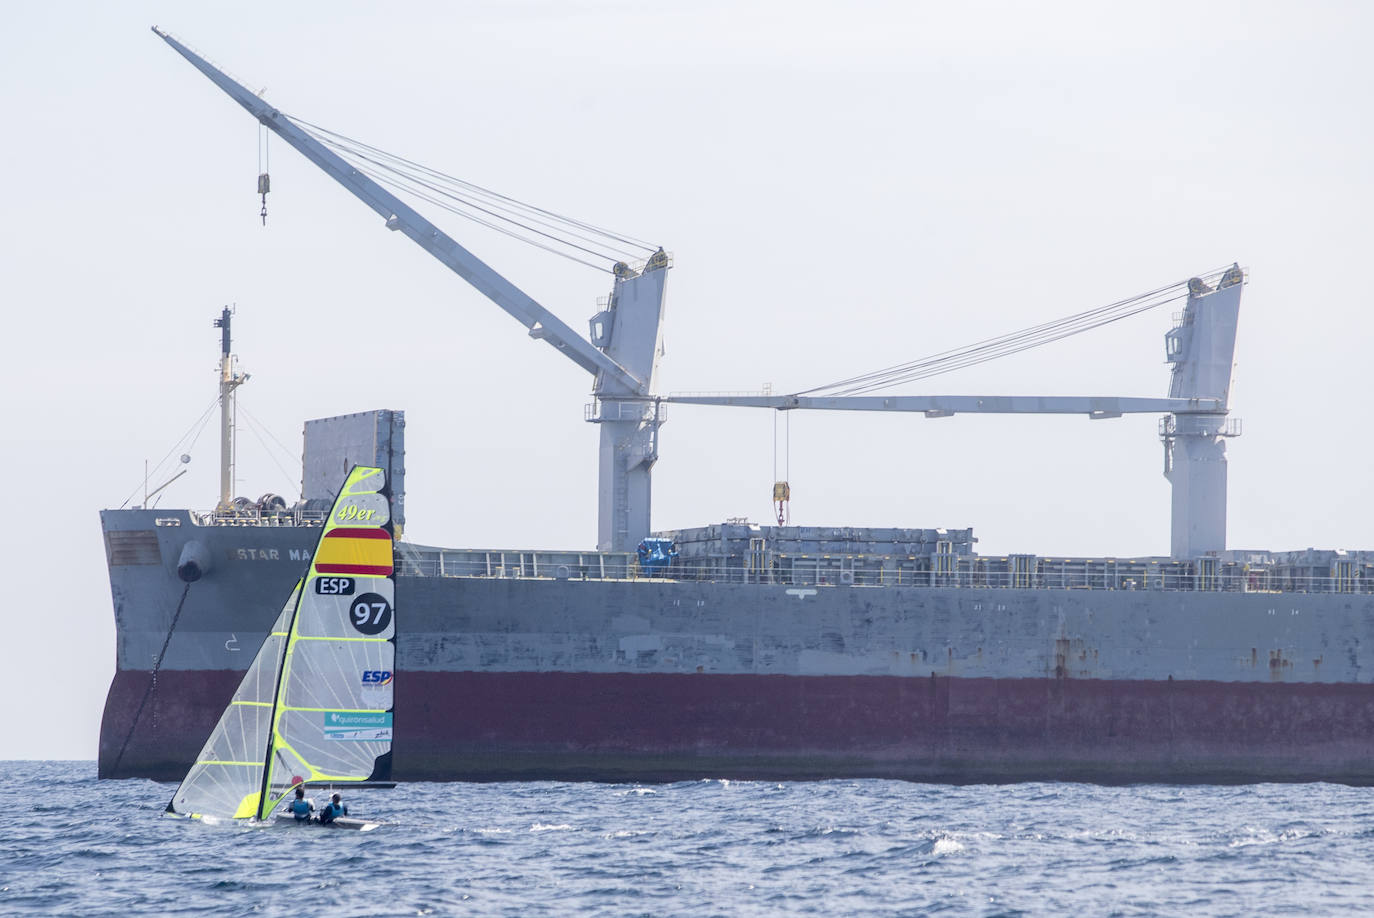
1008, 344
476, 189
521, 221
437, 198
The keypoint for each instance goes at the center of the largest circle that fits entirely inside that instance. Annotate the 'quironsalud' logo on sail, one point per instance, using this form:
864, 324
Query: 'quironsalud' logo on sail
371, 726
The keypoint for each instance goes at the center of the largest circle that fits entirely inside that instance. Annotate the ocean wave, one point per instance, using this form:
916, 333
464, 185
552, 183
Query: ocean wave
699, 848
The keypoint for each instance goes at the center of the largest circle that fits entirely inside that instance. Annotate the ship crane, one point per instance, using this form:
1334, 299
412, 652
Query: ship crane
625, 344
626, 337
1201, 347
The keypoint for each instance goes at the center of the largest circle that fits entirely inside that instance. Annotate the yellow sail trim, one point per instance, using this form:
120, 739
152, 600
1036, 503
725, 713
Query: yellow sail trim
252, 704
317, 637
248, 806
316, 776
361, 474
315, 773
218, 762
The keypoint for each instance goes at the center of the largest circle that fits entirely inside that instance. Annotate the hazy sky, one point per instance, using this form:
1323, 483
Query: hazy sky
842, 186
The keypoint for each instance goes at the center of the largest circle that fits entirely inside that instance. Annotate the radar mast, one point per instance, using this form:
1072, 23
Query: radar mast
229, 381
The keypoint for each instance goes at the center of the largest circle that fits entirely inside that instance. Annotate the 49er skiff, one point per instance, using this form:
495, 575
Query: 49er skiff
315, 706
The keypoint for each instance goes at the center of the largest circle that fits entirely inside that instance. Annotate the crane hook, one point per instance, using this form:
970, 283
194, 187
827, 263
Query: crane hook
264, 166
264, 186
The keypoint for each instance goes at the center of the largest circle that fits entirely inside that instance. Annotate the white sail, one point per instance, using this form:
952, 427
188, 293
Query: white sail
316, 705
226, 779
333, 716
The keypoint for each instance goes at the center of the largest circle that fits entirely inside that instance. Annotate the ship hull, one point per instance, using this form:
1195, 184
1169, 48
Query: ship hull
503, 677
659, 727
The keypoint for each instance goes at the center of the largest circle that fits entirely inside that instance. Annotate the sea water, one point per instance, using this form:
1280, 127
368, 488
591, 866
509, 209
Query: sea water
75, 845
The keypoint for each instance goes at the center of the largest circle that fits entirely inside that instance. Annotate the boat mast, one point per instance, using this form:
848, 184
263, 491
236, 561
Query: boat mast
228, 382
270, 746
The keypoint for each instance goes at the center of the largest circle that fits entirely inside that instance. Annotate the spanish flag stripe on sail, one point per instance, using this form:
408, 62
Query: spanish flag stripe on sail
362, 570
366, 552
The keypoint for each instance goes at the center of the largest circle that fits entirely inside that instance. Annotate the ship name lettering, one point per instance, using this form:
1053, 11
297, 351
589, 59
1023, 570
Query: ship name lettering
257, 554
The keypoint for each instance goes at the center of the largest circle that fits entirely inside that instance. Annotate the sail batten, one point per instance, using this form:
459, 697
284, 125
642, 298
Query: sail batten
316, 704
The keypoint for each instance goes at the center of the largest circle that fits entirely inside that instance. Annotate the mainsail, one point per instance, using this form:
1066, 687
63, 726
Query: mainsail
316, 704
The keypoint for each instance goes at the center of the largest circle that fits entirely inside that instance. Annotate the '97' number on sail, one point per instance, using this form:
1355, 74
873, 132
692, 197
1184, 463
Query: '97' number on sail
370, 613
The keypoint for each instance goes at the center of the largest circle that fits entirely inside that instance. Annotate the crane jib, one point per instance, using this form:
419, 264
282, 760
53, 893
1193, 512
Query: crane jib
399, 215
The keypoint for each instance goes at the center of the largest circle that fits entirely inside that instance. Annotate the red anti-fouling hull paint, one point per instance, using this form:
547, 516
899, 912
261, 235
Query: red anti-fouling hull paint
661, 727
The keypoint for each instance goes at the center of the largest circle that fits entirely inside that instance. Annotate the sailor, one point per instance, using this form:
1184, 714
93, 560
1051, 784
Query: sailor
302, 806
333, 810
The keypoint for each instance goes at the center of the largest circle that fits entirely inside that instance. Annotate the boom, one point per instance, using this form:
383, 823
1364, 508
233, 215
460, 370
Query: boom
941, 406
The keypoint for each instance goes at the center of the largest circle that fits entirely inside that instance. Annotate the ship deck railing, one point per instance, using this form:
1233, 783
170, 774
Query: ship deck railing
256, 517
1023, 572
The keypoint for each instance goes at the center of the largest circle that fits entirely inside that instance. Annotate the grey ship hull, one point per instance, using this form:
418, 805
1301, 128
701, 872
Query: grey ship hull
558, 675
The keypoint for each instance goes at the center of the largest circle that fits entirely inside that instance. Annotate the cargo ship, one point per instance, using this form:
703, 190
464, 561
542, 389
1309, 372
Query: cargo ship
771, 652
774, 652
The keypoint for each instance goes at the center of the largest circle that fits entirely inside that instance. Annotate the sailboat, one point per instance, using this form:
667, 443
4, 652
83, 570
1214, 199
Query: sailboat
316, 705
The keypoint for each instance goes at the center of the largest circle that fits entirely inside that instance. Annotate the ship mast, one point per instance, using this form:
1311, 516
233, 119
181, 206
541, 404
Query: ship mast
228, 382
